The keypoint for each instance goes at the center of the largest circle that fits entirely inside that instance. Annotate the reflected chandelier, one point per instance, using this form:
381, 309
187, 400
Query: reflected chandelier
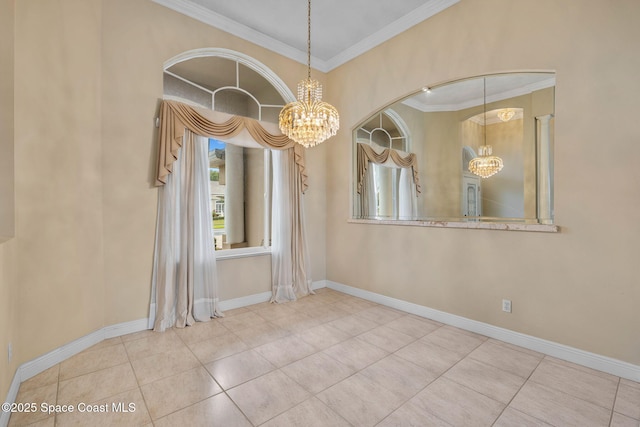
309, 121
485, 165
506, 114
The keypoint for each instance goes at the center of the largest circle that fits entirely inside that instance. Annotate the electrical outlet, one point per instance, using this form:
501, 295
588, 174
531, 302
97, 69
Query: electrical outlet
9, 352
506, 305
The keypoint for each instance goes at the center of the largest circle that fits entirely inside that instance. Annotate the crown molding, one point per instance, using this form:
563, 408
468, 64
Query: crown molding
230, 26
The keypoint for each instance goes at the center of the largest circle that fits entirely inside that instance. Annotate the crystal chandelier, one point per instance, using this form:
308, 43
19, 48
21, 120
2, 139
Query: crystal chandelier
485, 165
309, 120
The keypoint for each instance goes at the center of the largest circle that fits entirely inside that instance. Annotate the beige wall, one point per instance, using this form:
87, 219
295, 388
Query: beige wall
7, 298
578, 287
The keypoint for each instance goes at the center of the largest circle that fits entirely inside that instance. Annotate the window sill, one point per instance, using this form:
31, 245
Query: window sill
242, 253
477, 225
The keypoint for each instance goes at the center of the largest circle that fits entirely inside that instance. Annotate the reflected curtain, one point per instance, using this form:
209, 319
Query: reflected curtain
410, 182
184, 283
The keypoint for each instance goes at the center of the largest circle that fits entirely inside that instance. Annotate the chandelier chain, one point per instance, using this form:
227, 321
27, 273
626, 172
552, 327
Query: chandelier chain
309, 39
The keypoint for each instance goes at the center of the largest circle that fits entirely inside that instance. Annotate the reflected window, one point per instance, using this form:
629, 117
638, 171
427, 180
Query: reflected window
236, 188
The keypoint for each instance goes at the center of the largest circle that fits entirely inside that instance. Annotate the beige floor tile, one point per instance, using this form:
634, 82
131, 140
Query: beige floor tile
387, 339
360, 401
239, 368
511, 417
33, 398
216, 348
434, 358
343, 361
353, 325
575, 366
619, 420
201, 331
138, 335
458, 405
516, 348
630, 383
106, 343
46, 377
46, 422
460, 342
242, 321
124, 409
97, 385
295, 323
578, 383
628, 400
317, 372
310, 413
93, 360
178, 391
164, 365
505, 358
285, 350
414, 326
411, 415
275, 311
558, 408
157, 343
323, 336
403, 378
217, 411
267, 396
355, 353
486, 379
264, 333
380, 314
326, 313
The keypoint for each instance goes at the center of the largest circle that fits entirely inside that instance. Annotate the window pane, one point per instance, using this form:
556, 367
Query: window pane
237, 195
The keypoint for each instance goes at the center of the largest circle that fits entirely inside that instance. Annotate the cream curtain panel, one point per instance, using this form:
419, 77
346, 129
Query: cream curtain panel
184, 283
290, 279
365, 155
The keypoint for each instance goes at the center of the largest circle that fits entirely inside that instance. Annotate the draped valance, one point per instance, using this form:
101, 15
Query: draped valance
366, 154
175, 117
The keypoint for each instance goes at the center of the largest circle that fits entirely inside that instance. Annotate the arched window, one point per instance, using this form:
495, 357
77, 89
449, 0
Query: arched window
240, 175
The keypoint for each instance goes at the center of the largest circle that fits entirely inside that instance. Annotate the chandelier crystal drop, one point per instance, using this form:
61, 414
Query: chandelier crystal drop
309, 121
485, 165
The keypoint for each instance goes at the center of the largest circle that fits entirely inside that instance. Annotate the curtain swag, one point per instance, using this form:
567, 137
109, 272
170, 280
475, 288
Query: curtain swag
175, 117
367, 154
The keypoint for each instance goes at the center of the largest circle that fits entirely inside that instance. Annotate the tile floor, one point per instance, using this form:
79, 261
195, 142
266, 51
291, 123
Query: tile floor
325, 360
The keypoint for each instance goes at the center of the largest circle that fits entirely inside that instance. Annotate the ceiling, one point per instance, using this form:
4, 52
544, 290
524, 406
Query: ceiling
340, 29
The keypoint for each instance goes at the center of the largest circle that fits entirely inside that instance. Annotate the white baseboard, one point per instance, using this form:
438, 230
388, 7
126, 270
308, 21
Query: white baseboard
231, 304
560, 351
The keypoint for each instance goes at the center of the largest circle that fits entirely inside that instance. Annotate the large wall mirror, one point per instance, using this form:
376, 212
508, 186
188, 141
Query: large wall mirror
411, 158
